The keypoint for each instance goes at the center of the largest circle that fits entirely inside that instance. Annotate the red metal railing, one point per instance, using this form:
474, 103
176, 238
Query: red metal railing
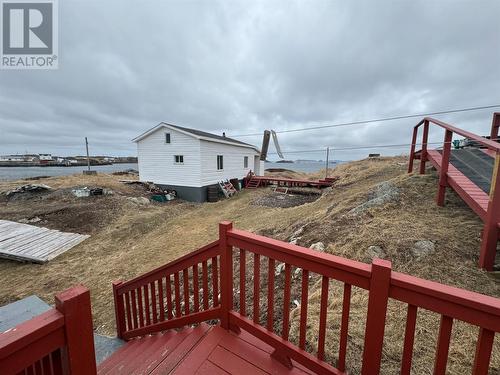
492, 218
239, 250
59, 341
183, 292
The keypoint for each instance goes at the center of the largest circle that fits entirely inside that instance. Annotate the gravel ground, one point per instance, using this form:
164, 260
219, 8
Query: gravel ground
281, 200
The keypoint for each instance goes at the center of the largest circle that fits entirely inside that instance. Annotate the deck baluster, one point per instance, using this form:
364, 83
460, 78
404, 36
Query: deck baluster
411, 319
256, 288
303, 308
286, 302
423, 154
243, 307
322, 317
270, 294
443, 345
196, 290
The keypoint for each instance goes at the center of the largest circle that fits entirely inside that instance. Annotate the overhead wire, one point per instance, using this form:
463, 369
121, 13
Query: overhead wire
369, 121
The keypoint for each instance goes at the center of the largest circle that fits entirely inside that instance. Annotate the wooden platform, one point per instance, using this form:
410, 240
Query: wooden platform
202, 350
257, 181
472, 194
23, 242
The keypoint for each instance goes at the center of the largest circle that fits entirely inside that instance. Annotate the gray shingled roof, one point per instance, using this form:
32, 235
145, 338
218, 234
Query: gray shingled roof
200, 133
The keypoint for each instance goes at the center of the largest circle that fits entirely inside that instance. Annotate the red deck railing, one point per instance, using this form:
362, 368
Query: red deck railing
59, 341
154, 302
151, 303
492, 219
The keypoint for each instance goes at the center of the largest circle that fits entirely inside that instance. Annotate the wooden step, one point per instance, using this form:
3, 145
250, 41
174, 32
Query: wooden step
159, 353
252, 184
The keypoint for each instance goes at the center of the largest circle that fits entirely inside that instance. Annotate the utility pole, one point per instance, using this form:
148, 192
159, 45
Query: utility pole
327, 155
88, 157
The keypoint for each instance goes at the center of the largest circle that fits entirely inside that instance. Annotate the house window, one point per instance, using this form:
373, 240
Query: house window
179, 159
220, 162
245, 162
167, 137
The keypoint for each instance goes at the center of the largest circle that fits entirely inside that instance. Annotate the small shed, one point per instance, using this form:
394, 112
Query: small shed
190, 160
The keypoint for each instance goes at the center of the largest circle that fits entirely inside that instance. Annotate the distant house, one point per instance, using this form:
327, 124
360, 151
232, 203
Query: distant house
19, 158
45, 158
190, 160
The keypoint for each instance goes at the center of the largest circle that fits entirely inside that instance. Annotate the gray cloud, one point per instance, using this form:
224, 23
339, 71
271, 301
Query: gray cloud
242, 67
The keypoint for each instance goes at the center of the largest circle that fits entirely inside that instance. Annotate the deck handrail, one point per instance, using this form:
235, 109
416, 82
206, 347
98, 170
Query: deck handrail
55, 342
139, 310
176, 265
488, 143
378, 279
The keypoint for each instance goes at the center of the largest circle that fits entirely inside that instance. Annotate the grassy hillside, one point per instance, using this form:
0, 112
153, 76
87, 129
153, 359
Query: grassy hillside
375, 209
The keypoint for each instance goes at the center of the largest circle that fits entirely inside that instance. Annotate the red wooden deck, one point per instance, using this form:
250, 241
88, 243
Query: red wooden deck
202, 350
253, 181
155, 313
487, 207
472, 194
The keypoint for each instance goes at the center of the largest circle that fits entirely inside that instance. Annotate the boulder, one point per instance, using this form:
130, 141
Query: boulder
318, 246
383, 193
141, 201
296, 235
423, 248
375, 251
279, 269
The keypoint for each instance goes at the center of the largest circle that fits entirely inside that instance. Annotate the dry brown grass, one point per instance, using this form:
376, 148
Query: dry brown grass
136, 239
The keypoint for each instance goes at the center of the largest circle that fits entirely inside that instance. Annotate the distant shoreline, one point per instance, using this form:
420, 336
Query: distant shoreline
22, 164
20, 173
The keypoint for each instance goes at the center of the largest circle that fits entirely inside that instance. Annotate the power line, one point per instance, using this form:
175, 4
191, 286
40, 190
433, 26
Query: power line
334, 149
351, 123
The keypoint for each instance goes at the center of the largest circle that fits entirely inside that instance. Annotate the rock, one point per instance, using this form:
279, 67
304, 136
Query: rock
279, 269
298, 232
423, 248
141, 201
35, 219
297, 272
296, 235
375, 252
318, 246
34, 188
384, 192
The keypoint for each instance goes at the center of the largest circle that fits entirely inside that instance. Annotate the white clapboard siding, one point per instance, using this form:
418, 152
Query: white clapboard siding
156, 158
233, 162
23, 242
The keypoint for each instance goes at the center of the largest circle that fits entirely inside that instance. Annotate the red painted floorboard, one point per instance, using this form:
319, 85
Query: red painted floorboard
201, 350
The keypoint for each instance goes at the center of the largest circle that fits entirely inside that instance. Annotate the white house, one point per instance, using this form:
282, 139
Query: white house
190, 160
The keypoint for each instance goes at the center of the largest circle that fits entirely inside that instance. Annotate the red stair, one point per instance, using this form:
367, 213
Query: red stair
154, 354
202, 350
253, 183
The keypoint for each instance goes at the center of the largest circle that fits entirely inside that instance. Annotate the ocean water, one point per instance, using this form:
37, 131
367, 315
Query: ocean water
307, 167
18, 173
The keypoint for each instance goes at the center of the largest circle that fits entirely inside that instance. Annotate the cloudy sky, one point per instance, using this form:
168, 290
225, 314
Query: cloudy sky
242, 67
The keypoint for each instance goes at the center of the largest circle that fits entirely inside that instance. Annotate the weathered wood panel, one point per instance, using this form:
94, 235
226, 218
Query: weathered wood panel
24, 242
